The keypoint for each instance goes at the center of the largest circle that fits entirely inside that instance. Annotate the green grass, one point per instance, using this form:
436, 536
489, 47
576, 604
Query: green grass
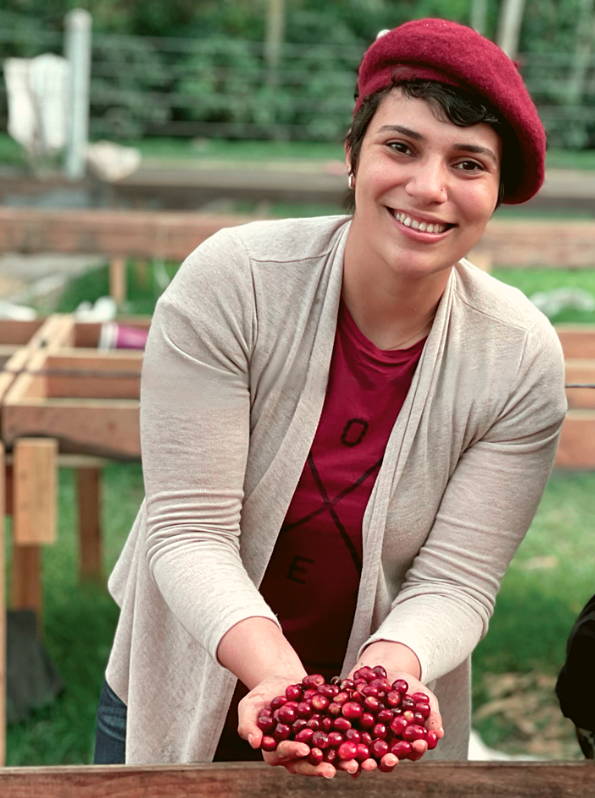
533, 281
548, 581
571, 159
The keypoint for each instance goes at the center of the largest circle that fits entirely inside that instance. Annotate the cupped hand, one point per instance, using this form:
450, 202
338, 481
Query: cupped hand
433, 722
289, 754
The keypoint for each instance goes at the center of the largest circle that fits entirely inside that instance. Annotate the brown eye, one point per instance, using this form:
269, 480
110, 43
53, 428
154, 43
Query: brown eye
469, 166
399, 146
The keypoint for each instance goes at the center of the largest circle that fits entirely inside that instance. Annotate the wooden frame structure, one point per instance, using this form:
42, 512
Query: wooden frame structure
61, 401
577, 440
172, 235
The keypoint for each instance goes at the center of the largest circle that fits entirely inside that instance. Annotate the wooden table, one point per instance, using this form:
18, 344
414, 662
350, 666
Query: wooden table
243, 780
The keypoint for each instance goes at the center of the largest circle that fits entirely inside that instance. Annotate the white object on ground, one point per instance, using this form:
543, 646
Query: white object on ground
480, 752
8, 310
104, 309
112, 162
552, 302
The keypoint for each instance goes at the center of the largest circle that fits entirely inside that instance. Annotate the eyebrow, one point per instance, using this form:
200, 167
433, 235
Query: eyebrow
475, 148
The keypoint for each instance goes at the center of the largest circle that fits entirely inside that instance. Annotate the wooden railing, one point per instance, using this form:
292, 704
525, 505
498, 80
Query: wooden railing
242, 780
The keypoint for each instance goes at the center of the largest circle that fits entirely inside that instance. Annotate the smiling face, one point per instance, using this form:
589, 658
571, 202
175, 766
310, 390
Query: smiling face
424, 190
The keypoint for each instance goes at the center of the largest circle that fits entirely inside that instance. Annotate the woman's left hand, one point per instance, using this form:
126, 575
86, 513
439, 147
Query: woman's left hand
400, 662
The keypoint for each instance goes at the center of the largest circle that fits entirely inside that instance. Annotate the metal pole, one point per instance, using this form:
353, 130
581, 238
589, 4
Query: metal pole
509, 28
274, 39
585, 31
78, 54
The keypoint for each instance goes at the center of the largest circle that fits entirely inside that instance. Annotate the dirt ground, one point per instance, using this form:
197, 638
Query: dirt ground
526, 706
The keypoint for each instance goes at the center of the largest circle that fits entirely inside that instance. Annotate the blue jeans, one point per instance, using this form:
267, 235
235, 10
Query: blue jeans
110, 730
110, 735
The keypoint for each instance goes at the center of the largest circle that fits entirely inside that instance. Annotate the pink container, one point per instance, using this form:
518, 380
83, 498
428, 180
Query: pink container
122, 336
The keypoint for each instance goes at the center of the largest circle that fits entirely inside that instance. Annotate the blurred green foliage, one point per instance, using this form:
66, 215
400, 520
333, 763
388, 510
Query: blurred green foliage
184, 67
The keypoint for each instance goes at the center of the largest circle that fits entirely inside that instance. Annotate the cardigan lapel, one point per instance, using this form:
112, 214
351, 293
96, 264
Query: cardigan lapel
395, 459
266, 506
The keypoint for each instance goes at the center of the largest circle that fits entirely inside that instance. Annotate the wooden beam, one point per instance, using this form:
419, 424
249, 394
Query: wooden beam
114, 233
102, 427
578, 340
172, 235
242, 780
577, 441
580, 372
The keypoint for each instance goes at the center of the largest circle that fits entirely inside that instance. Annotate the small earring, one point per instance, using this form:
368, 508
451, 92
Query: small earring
351, 181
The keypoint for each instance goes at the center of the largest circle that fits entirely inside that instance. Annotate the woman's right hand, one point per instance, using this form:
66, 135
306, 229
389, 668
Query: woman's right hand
289, 754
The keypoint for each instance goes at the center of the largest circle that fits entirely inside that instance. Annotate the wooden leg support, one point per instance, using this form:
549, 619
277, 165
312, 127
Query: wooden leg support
117, 280
88, 484
2, 612
34, 517
25, 590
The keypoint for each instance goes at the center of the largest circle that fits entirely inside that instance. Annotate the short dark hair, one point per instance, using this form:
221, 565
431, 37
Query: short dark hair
447, 102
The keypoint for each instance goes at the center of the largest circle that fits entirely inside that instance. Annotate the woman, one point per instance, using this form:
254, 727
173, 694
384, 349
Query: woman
346, 427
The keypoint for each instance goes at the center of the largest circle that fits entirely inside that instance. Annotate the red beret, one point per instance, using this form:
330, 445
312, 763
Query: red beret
438, 49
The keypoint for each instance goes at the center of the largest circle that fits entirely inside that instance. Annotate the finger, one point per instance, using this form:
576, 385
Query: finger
249, 731
350, 766
288, 749
434, 723
301, 768
388, 763
420, 746
369, 764
254, 738
247, 728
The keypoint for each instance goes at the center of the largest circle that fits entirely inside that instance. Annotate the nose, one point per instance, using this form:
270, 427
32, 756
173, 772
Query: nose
427, 181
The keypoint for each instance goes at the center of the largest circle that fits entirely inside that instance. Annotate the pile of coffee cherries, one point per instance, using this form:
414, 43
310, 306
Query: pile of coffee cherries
361, 718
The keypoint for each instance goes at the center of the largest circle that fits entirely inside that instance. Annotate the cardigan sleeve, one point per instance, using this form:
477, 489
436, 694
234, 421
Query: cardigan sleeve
195, 417
447, 598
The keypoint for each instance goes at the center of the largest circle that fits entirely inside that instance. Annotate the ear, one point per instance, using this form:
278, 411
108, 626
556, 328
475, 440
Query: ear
348, 158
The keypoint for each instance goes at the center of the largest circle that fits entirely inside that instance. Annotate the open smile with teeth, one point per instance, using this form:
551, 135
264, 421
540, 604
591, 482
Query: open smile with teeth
417, 224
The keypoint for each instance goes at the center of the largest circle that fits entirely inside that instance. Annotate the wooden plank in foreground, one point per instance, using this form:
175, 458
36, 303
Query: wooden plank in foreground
241, 780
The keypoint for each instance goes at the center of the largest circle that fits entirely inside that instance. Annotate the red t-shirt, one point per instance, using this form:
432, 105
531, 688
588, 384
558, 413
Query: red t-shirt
313, 576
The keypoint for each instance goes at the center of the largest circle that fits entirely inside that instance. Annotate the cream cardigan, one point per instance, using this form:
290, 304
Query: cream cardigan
233, 384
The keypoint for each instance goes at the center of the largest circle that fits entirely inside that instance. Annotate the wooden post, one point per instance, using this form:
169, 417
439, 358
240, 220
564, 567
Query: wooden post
117, 280
141, 273
2, 612
34, 518
88, 485
25, 585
